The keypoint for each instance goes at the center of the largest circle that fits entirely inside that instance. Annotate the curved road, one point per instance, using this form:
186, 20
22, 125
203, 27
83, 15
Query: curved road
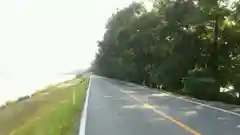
119, 108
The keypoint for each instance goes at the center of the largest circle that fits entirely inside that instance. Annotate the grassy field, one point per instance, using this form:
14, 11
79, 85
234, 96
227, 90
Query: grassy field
53, 111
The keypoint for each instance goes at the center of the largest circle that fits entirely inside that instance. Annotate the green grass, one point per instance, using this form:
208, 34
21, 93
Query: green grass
48, 112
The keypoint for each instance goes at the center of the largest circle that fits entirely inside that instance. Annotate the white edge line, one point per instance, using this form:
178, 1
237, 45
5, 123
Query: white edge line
188, 100
84, 112
212, 107
205, 105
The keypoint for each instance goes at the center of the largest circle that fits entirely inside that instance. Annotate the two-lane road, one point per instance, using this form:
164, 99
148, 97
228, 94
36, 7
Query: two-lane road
118, 108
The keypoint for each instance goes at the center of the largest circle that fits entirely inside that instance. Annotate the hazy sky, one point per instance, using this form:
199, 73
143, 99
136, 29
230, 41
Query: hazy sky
40, 39
51, 36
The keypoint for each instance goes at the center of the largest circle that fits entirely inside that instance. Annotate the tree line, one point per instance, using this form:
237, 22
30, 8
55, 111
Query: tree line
190, 47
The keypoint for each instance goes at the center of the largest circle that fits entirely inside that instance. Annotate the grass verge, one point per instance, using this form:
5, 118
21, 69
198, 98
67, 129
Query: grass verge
53, 111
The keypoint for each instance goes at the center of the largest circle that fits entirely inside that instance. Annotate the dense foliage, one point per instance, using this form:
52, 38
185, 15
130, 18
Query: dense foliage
187, 46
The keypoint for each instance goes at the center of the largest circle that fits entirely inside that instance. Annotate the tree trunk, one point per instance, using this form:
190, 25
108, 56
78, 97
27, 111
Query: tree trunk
214, 60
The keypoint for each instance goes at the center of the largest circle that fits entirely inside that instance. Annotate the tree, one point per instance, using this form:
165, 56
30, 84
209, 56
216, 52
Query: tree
196, 39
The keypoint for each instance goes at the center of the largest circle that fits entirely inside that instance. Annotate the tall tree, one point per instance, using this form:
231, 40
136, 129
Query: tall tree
196, 39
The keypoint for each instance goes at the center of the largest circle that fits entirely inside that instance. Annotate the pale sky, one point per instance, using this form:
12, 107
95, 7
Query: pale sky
40, 39
51, 35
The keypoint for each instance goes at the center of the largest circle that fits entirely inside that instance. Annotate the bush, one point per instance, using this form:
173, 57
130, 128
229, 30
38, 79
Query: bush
169, 75
200, 84
9, 103
227, 97
22, 98
2, 107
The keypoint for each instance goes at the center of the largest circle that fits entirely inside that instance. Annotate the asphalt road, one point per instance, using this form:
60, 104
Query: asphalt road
118, 108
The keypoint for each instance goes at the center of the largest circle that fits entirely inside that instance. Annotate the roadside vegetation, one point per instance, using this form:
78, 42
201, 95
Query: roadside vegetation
190, 47
55, 110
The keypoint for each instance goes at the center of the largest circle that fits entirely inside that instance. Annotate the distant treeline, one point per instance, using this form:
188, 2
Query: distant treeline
185, 46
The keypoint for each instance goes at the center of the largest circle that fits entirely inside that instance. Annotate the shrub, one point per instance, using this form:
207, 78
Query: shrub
200, 84
9, 103
2, 107
227, 97
22, 98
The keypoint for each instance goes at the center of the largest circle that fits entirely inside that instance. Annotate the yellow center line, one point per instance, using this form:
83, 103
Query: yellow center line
185, 127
